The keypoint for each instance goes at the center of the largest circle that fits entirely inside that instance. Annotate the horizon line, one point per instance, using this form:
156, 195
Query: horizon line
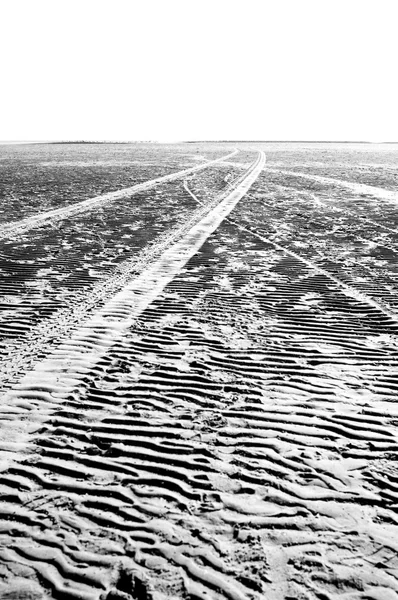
188, 141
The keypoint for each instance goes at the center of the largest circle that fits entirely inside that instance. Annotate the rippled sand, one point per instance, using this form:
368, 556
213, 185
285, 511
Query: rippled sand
199, 399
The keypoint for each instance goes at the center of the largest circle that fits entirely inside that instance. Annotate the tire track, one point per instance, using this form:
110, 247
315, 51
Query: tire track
356, 187
56, 215
213, 448
349, 290
237, 439
345, 211
348, 248
47, 291
89, 343
83, 353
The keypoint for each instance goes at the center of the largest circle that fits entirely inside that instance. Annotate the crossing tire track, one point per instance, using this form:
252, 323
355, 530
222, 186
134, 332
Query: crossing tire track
59, 214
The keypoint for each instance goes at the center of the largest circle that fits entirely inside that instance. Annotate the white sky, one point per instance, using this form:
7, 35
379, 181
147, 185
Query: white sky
199, 69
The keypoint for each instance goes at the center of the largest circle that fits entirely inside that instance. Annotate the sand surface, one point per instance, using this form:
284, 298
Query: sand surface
199, 378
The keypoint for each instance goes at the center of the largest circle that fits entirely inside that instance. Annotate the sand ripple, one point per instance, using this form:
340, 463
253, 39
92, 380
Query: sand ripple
225, 427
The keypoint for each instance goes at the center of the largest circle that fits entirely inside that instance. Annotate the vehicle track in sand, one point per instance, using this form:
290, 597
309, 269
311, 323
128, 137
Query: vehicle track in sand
343, 234
236, 440
210, 455
358, 188
175, 249
85, 351
348, 289
342, 211
54, 279
54, 216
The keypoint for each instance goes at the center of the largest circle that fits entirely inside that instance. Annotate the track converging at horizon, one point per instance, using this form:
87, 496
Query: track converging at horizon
198, 379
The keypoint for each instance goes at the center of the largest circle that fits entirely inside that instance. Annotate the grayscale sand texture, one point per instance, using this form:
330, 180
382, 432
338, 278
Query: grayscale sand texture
198, 371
